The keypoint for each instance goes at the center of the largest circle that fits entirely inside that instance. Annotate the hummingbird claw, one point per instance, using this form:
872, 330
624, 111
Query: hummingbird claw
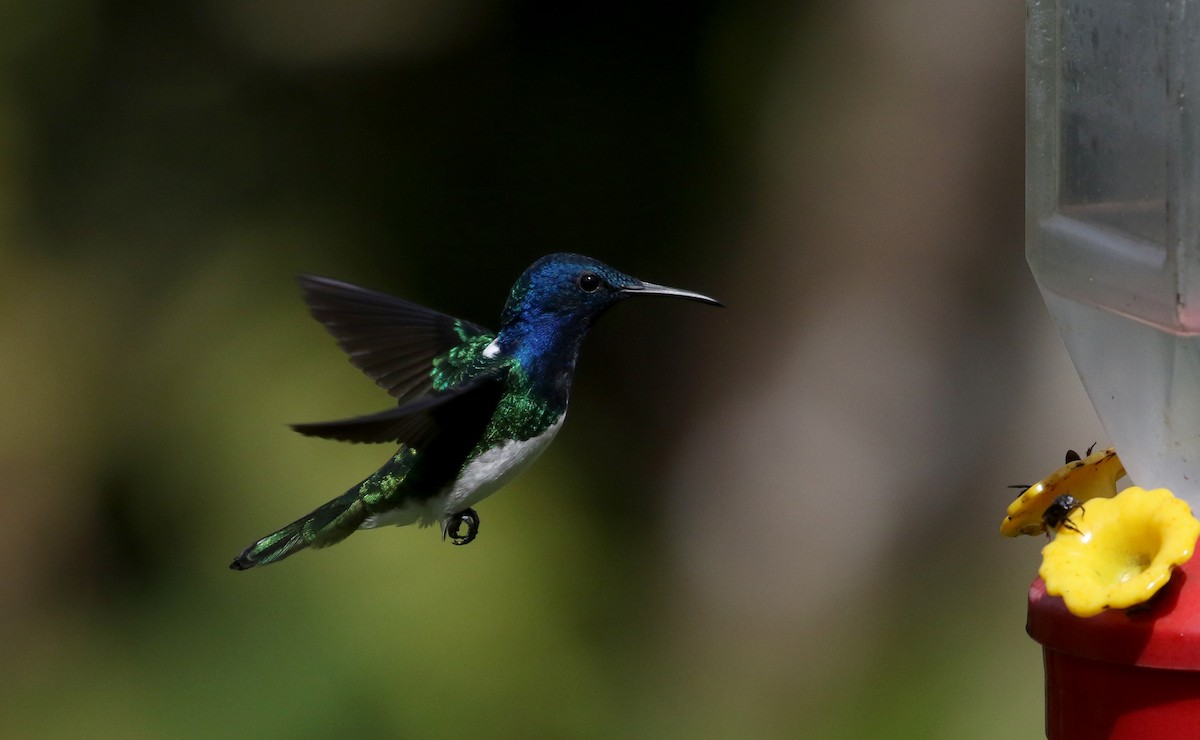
456, 521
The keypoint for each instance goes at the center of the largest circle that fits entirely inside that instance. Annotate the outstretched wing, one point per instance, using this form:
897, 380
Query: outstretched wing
418, 422
393, 341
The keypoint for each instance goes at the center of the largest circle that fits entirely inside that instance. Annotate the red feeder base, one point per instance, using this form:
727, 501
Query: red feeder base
1122, 675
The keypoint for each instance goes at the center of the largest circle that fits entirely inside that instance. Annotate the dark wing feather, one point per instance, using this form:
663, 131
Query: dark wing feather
393, 425
416, 423
393, 341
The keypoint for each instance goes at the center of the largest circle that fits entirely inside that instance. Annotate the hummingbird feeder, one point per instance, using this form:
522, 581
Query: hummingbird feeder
1113, 238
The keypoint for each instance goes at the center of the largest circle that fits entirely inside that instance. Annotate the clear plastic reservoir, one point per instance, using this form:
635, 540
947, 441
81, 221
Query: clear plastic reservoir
1113, 217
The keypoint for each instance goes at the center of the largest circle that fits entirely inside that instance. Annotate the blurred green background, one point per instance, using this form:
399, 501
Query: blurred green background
776, 520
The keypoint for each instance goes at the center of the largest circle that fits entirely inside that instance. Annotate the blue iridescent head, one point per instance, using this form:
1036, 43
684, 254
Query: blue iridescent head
555, 302
571, 290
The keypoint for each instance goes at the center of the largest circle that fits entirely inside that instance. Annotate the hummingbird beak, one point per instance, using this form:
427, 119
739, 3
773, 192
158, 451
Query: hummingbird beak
644, 288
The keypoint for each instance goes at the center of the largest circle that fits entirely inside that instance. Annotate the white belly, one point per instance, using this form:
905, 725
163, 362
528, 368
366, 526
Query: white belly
479, 479
492, 470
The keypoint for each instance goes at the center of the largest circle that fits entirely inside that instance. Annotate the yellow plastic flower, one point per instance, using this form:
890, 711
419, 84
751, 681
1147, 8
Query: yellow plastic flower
1093, 477
1119, 551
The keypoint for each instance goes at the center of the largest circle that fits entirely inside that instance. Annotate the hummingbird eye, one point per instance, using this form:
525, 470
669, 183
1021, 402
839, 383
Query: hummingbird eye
589, 282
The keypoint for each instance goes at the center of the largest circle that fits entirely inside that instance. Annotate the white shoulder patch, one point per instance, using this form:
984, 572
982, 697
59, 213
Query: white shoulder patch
492, 349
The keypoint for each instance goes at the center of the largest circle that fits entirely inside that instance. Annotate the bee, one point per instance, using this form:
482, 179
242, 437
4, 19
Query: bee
1058, 513
1072, 455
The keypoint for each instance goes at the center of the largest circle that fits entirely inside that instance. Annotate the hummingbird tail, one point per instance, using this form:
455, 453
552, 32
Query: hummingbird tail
326, 525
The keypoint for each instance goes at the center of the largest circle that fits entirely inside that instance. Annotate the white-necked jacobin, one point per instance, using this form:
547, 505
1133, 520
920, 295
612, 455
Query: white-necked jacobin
475, 408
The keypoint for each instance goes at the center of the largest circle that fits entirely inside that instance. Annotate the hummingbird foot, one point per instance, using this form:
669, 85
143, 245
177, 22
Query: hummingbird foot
455, 524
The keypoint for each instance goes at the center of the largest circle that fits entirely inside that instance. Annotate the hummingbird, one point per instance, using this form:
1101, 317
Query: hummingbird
474, 407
